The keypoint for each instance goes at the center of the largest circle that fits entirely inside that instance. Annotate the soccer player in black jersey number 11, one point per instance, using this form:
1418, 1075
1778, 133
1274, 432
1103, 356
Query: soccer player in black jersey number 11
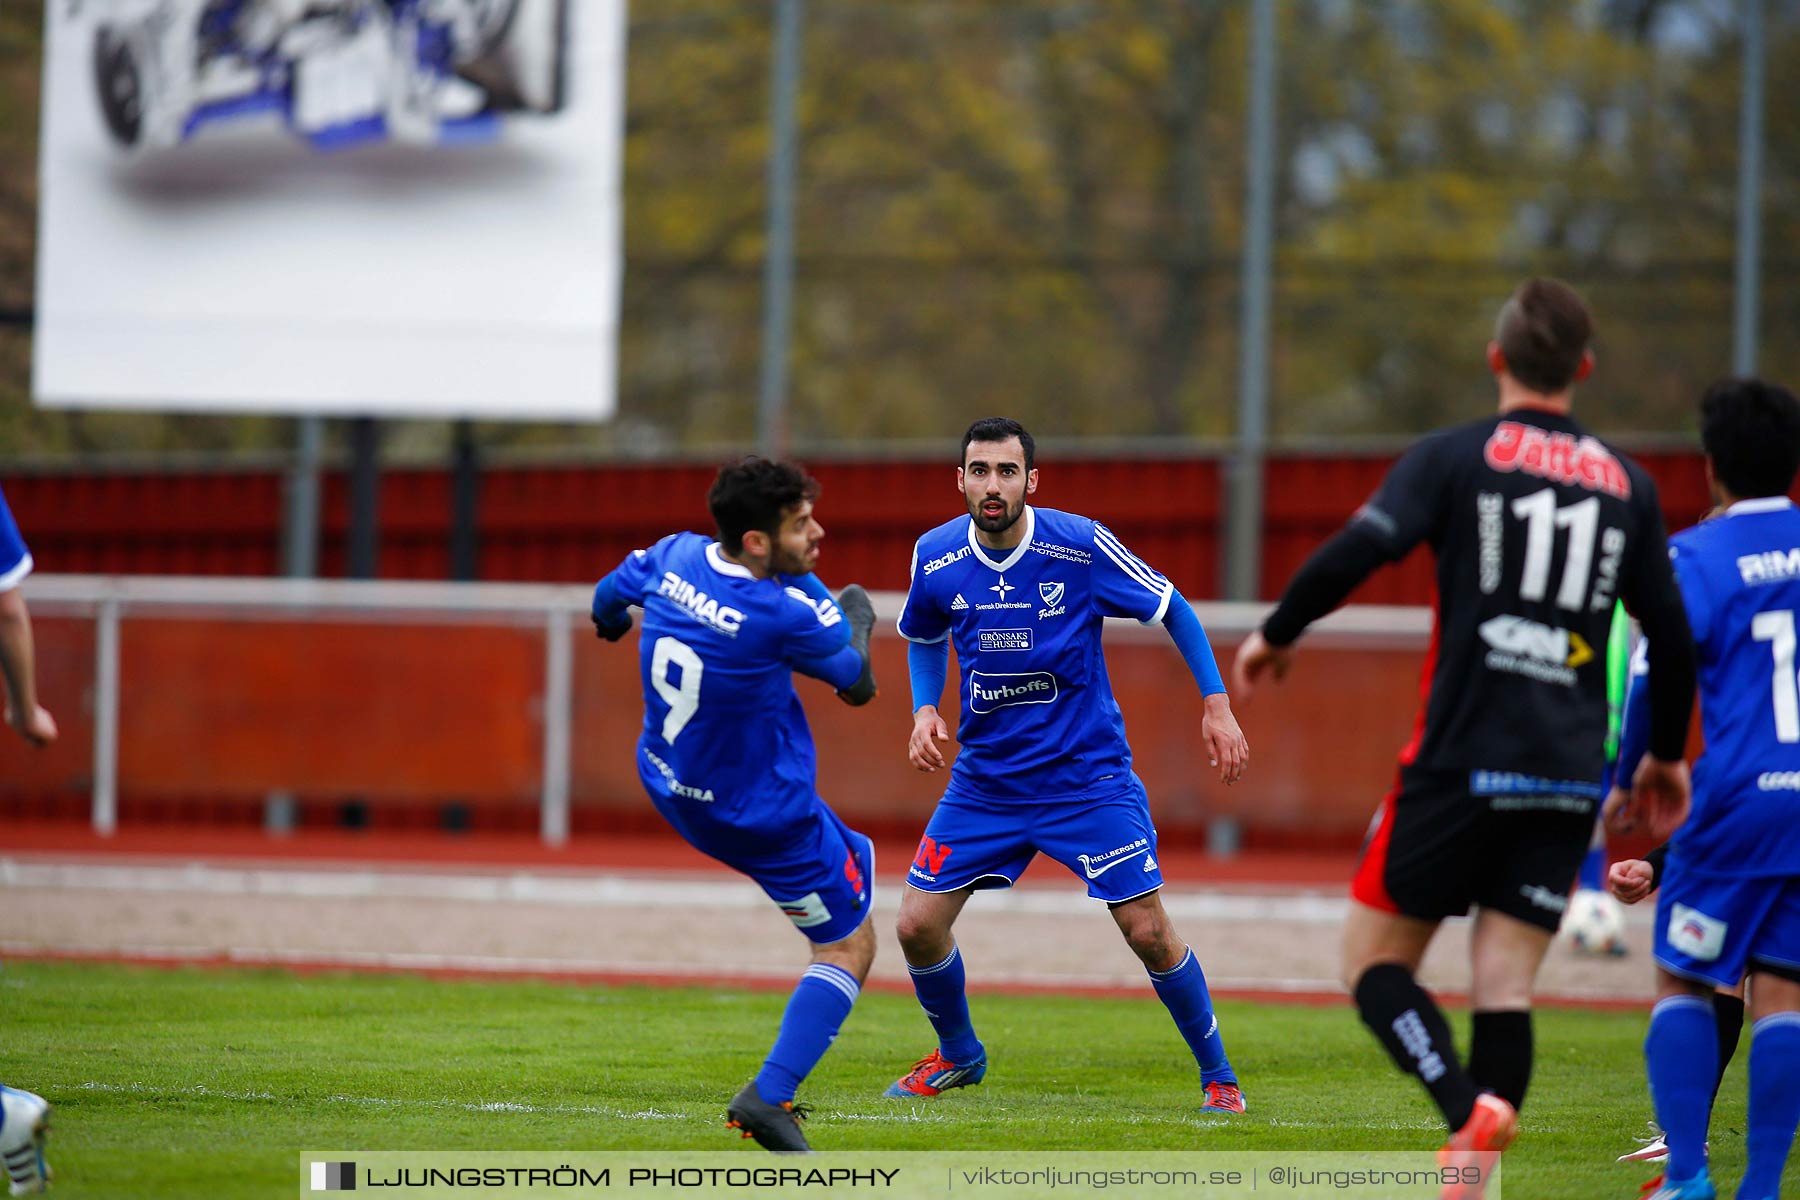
1537, 527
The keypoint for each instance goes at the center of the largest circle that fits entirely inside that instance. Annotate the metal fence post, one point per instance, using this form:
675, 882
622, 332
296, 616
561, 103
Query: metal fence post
558, 714
778, 267
1244, 508
106, 718
1749, 200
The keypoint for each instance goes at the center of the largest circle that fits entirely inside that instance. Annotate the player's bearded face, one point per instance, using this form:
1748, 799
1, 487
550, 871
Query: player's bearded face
994, 483
796, 547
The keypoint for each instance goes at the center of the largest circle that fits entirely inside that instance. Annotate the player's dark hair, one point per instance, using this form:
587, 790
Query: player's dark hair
1751, 431
1543, 331
754, 493
998, 429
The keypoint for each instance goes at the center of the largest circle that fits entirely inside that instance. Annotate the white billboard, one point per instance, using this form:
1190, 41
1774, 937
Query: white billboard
354, 207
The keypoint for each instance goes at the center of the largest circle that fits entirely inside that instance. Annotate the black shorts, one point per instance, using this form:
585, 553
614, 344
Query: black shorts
1435, 848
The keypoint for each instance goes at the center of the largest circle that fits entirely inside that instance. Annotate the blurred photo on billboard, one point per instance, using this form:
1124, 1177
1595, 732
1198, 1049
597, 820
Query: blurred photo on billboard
382, 207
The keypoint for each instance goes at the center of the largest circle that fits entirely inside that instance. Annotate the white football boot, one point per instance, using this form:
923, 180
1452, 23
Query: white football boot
24, 1119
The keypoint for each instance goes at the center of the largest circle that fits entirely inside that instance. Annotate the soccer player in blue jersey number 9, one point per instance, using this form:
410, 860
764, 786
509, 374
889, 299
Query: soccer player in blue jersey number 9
1730, 888
726, 754
1044, 767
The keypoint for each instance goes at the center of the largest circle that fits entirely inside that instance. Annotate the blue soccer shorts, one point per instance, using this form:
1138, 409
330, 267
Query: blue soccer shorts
1714, 927
1108, 841
817, 870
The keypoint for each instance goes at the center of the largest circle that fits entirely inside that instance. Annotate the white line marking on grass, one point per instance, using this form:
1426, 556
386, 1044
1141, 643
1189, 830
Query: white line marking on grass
1341, 1123
491, 1106
603, 890
899, 1114
700, 973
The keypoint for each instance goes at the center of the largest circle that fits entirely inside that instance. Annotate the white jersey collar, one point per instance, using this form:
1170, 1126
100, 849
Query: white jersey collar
1759, 504
982, 553
715, 558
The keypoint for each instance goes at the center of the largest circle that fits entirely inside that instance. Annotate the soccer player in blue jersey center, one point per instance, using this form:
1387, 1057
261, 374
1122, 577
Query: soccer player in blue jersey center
726, 755
1022, 593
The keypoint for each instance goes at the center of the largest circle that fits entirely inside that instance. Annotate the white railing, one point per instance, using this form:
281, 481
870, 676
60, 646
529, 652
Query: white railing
556, 608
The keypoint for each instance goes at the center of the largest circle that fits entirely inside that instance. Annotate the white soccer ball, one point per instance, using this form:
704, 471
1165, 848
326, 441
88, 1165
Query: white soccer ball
1594, 924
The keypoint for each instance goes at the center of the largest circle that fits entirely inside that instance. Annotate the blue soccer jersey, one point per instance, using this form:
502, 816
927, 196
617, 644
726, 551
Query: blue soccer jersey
15, 559
1039, 721
1740, 578
724, 732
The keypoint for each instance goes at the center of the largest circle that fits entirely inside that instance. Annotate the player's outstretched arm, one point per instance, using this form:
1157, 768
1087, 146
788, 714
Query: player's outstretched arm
609, 611
1324, 581
922, 747
929, 665
1226, 747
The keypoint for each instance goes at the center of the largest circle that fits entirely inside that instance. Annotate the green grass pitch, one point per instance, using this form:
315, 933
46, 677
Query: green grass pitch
178, 1083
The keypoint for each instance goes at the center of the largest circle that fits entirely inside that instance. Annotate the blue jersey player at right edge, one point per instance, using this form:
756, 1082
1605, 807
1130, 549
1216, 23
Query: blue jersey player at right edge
1730, 894
726, 755
1044, 766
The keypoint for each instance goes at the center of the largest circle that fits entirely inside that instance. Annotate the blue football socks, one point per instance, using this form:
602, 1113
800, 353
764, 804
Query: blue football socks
1183, 992
1682, 1054
941, 991
1774, 1102
1593, 870
814, 1014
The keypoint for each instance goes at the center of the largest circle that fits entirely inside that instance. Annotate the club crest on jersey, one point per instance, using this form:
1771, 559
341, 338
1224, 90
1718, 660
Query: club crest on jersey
1052, 594
1558, 457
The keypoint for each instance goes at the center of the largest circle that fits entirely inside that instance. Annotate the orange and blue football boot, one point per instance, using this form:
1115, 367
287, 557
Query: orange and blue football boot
933, 1074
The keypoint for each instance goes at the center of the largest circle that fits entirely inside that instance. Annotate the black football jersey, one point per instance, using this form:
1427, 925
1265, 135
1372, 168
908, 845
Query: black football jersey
1538, 527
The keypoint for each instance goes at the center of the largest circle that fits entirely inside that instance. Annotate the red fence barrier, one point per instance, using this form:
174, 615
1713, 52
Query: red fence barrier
358, 714
572, 524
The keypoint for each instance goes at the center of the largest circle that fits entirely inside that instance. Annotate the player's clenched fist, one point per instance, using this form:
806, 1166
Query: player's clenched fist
1630, 880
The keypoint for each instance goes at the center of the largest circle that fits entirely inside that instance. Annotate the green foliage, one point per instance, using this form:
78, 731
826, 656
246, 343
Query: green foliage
1037, 207
210, 1082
